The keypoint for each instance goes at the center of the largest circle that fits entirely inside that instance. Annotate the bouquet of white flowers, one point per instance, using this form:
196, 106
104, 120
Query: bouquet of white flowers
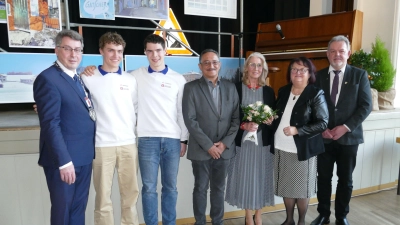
257, 113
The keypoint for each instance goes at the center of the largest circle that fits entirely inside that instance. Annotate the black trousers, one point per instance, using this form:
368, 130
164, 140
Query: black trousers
209, 173
345, 157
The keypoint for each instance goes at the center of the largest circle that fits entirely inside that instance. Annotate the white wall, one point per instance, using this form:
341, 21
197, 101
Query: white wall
381, 18
396, 52
320, 7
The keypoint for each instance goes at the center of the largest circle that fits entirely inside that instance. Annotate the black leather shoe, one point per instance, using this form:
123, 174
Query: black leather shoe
342, 222
293, 223
320, 220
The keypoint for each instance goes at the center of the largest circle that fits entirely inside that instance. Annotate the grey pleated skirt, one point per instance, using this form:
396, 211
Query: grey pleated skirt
294, 178
250, 176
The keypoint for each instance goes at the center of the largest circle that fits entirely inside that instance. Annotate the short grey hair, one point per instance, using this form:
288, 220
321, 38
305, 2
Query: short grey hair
340, 38
207, 51
68, 33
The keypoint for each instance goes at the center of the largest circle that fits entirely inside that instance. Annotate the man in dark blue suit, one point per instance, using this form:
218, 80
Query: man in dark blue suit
349, 105
67, 131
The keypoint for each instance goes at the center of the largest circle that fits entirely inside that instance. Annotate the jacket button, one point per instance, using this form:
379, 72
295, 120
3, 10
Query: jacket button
295, 112
296, 123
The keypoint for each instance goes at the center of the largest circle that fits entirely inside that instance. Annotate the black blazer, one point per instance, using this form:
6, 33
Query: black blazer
353, 106
267, 131
309, 116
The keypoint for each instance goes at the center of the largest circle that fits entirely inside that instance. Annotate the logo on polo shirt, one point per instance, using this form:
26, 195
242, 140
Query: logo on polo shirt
124, 87
166, 85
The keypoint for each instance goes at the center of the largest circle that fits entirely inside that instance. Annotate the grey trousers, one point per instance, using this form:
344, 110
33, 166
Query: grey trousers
209, 173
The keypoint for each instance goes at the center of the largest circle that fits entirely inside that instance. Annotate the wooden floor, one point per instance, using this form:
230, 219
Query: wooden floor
382, 208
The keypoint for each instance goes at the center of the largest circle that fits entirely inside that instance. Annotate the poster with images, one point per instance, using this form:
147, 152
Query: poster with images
97, 9
213, 8
3, 12
16, 82
188, 66
142, 9
33, 23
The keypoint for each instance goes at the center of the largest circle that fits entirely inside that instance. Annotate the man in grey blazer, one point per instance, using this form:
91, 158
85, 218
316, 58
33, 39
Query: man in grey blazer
210, 109
349, 103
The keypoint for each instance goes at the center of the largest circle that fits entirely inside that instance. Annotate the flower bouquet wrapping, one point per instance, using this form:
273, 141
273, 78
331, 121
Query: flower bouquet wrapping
257, 113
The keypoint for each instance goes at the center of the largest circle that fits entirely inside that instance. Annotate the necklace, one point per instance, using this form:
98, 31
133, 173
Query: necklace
253, 88
296, 94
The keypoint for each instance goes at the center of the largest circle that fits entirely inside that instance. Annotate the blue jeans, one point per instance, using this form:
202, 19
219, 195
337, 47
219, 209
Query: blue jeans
155, 152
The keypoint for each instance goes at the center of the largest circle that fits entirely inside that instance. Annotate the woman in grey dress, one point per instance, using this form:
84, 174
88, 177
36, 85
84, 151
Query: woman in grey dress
250, 175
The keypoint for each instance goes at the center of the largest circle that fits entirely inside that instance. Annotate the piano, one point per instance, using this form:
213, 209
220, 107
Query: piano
307, 37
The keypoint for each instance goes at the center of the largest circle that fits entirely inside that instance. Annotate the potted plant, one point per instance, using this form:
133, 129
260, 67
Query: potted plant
380, 70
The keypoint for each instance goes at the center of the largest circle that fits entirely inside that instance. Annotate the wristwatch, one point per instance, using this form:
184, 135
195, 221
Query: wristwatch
184, 142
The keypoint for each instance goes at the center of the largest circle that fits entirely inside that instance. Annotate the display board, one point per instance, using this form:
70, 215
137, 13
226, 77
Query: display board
97, 9
188, 66
213, 8
33, 23
19, 70
142, 9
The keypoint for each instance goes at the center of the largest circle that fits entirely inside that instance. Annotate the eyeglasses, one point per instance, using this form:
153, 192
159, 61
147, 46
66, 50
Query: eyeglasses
301, 71
208, 63
255, 65
334, 52
69, 49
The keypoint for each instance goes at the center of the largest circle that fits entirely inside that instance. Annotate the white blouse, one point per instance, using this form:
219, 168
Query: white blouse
283, 142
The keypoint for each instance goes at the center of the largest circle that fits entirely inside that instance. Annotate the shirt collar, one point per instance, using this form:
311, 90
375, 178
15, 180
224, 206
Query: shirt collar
209, 82
164, 71
70, 73
331, 69
103, 72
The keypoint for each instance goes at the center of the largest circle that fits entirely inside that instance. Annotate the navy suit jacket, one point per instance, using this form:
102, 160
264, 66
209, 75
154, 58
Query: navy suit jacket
352, 107
66, 131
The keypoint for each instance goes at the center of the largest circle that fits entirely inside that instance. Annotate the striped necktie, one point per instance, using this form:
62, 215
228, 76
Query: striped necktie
79, 84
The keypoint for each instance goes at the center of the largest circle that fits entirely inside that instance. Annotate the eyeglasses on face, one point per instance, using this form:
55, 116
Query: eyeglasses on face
301, 71
69, 49
255, 65
340, 52
208, 63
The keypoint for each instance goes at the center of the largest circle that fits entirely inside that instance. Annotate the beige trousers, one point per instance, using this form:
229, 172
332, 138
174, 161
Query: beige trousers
125, 160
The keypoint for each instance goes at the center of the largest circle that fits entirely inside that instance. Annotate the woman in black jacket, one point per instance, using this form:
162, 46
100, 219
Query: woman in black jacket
303, 116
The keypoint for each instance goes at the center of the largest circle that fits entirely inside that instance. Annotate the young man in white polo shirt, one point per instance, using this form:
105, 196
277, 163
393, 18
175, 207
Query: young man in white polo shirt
114, 94
161, 131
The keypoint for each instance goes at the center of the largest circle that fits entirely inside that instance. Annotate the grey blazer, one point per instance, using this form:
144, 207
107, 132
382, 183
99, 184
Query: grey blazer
353, 106
205, 125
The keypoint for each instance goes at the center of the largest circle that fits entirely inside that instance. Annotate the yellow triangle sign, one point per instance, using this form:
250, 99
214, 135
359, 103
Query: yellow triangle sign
173, 46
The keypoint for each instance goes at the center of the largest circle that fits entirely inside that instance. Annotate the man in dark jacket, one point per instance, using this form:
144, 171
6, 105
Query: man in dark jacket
349, 103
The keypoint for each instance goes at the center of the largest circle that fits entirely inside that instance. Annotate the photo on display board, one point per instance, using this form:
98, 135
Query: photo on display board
142, 9
33, 23
213, 8
3, 13
97, 9
188, 66
16, 82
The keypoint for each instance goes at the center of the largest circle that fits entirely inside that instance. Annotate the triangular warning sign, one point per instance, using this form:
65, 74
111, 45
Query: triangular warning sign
173, 46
